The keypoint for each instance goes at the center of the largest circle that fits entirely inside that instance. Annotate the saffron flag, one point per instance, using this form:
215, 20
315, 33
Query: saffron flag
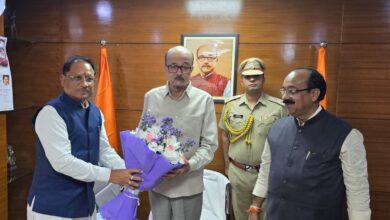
105, 99
321, 67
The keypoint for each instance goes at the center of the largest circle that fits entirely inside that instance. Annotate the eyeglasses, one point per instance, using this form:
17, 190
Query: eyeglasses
209, 59
78, 79
292, 91
173, 68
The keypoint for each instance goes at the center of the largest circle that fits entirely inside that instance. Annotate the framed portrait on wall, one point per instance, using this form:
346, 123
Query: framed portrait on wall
215, 62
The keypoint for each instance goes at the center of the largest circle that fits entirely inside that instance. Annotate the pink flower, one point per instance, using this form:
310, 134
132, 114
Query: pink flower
149, 136
169, 147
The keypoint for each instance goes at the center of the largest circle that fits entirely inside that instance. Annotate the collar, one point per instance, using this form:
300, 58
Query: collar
208, 75
187, 92
263, 100
67, 99
312, 116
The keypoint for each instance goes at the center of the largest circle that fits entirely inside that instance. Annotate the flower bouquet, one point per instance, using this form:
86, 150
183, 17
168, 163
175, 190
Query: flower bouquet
154, 148
163, 138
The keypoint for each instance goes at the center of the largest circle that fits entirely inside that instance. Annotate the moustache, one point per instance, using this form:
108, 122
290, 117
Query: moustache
288, 101
179, 78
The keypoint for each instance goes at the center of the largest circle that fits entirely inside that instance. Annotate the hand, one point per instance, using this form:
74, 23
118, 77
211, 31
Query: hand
126, 177
177, 172
253, 216
254, 209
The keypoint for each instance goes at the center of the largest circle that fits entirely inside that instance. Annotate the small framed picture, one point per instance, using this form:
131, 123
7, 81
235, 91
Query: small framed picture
215, 63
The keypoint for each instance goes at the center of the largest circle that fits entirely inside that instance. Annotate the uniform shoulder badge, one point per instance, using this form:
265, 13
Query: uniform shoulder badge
276, 100
232, 98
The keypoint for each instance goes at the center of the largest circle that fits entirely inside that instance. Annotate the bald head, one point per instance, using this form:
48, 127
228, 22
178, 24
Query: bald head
298, 76
311, 78
179, 51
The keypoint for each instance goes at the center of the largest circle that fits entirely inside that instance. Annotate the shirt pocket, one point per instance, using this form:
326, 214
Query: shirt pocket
192, 127
315, 159
265, 124
236, 120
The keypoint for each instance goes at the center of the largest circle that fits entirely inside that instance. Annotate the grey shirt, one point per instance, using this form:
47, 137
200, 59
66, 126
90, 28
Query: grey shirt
194, 113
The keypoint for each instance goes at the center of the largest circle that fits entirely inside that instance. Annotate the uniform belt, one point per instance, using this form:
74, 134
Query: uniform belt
246, 167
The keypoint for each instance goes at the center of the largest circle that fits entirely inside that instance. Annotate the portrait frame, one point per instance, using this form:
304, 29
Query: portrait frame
217, 77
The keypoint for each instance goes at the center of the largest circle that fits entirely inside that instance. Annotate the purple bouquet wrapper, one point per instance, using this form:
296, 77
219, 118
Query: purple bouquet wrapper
122, 207
136, 155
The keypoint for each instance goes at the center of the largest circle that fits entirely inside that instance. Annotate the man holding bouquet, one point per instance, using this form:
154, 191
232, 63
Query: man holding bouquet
179, 195
71, 144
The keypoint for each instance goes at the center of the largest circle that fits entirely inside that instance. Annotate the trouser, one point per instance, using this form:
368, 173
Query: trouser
182, 208
31, 215
242, 183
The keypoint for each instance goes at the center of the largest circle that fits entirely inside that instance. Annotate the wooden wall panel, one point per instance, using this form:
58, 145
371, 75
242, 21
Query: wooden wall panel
365, 22
37, 79
380, 208
364, 81
3, 166
163, 21
17, 197
290, 21
38, 20
22, 138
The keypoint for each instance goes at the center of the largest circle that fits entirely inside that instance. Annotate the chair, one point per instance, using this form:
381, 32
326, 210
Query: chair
216, 197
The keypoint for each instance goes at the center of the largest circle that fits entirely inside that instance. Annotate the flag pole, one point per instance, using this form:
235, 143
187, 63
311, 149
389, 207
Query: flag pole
105, 97
321, 66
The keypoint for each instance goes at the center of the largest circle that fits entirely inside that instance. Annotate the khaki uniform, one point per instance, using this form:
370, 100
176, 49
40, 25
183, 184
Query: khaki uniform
266, 111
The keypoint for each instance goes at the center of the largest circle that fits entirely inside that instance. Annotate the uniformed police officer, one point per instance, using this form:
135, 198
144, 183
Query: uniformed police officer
245, 122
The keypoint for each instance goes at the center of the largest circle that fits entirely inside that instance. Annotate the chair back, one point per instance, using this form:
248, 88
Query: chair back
216, 196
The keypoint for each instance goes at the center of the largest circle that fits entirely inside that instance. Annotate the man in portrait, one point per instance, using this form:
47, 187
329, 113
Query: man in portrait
6, 80
208, 79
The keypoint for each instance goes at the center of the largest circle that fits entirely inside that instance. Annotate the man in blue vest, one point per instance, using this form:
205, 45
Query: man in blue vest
313, 161
72, 150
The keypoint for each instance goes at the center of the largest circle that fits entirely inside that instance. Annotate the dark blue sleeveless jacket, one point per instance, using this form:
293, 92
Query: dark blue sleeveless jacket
306, 178
57, 194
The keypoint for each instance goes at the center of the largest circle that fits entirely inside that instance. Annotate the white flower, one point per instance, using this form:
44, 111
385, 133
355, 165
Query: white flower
159, 148
161, 138
172, 156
